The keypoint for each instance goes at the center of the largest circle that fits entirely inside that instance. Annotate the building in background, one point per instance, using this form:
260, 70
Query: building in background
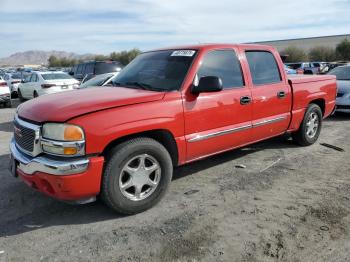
307, 43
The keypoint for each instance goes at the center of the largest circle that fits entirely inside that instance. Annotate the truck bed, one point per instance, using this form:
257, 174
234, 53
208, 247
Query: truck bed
299, 79
318, 89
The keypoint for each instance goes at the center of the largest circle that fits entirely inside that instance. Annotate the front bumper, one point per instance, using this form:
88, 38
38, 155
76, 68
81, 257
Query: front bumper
67, 179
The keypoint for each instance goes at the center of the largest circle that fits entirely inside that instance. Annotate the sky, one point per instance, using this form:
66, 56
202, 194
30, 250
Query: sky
104, 26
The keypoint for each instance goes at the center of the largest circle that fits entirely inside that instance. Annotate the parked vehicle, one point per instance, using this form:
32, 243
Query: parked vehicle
42, 83
99, 80
289, 70
169, 107
13, 80
88, 70
304, 68
5, 94
334, 65
343, 82
319, 65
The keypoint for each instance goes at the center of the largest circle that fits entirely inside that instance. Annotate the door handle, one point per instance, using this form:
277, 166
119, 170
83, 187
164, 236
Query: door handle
245, 100
281, 94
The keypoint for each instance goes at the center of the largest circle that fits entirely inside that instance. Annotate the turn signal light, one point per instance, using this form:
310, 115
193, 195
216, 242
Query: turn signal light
73, 133
70, 151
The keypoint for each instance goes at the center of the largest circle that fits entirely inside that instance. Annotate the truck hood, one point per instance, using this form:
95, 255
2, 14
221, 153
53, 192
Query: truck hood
60, 107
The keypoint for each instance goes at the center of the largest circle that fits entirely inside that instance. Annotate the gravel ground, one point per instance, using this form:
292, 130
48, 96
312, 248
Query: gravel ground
287, 203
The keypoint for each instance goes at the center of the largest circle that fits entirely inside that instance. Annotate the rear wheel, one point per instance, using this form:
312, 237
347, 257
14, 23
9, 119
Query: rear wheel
310, 128
136, 176
14, 94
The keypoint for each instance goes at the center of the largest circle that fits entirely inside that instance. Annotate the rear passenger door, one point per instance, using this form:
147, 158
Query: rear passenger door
271, 95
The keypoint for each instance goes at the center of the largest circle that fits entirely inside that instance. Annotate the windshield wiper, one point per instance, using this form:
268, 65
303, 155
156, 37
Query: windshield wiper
143, 86
115, 83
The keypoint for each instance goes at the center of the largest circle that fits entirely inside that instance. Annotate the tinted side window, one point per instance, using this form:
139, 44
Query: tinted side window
89, 69
74, 69
27, 79
106, 67
83, 69
79, 69
33, 78
223, 64
263, 67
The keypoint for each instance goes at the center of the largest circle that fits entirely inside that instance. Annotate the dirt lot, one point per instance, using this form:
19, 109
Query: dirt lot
288, 204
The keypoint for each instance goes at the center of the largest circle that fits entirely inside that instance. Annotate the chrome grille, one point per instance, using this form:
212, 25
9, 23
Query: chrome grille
24, 137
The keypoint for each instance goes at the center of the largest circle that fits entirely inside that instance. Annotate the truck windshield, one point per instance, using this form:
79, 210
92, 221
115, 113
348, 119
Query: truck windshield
157, 71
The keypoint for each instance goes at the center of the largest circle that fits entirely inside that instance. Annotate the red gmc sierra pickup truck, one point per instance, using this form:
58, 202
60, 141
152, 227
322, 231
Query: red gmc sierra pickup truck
168, 107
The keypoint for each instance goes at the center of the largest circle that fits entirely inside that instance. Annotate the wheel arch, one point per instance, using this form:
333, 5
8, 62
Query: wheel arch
163, 136
321, 103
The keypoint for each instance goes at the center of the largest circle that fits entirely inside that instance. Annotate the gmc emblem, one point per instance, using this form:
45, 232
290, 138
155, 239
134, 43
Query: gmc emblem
18, 131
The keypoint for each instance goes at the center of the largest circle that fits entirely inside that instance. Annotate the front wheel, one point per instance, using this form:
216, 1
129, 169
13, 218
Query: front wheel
20, 97
310, 128
136, 176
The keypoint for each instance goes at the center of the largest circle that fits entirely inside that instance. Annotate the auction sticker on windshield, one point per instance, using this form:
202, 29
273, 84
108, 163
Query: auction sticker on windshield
183, 53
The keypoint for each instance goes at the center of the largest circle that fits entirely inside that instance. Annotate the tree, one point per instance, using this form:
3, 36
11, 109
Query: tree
125, 57
294, 54
322, 53
54, 61
343, 50
101, 57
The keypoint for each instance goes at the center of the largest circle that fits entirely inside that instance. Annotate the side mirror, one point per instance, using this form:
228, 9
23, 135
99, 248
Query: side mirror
23, 81
71, 73
207, 84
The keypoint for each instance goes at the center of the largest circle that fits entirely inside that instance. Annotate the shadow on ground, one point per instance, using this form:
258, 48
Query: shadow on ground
339, 116
48, 212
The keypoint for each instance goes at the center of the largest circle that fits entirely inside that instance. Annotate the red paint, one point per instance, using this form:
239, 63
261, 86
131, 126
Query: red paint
72, 187
107, 114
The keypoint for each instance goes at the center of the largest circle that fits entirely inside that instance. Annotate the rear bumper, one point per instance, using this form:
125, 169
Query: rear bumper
69, 180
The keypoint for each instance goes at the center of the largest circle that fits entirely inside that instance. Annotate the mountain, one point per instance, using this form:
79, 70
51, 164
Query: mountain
38, 57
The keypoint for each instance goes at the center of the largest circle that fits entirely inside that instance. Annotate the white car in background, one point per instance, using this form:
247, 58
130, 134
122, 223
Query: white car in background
99, 80
13, 80
42, 83
5, 97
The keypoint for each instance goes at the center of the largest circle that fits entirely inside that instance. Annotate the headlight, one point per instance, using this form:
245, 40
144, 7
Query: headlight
63, 132
63, 139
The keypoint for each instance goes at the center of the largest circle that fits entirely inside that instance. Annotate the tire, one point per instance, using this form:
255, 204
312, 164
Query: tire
20, 97
304, 136
14, 94
128, 156
35, 94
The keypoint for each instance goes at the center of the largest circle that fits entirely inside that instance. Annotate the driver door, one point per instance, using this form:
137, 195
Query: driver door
218, 121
